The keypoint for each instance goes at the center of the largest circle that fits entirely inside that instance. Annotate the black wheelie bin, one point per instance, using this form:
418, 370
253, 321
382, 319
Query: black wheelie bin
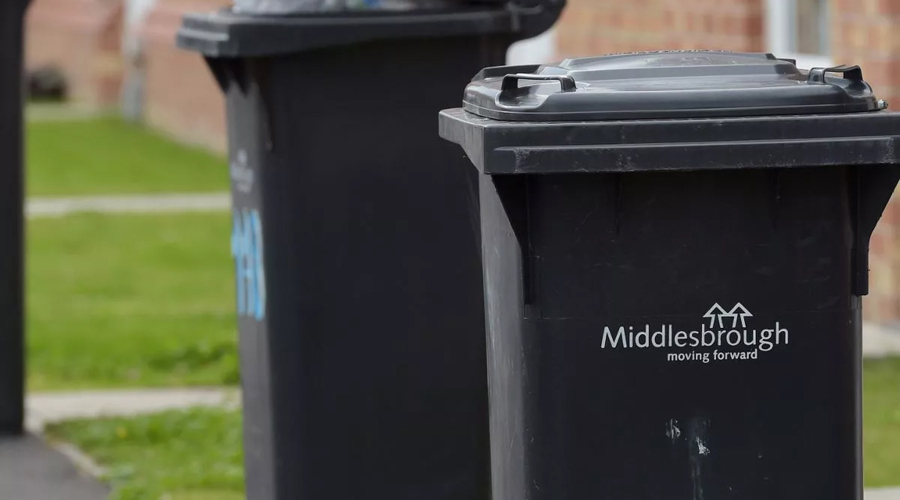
359, 291
675, 250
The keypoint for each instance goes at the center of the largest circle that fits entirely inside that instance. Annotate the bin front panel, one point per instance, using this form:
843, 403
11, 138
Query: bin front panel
368, 365
672, 335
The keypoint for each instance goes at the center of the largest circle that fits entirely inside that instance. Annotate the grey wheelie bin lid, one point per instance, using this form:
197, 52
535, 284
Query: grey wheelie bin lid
666, 85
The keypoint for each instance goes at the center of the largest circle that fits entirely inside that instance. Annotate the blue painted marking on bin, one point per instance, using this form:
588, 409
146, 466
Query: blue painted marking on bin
247, 250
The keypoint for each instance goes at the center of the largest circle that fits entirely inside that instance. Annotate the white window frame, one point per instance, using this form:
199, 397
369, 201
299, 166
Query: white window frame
538, 50
779, 28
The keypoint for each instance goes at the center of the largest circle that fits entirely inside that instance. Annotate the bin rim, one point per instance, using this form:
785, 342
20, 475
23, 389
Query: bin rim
229, 34
677, 144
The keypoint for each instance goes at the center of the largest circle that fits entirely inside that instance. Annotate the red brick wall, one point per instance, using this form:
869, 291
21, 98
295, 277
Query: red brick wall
83, 39
182, 97
592, 27
864, 32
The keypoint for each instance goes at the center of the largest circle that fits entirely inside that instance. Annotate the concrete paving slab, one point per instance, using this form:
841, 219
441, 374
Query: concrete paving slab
30, 469
45, 408
880, 341
127, 204
883, 493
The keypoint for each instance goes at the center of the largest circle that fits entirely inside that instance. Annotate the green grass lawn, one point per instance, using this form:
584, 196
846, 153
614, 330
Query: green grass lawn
130, 300
191, 455
881, 422
195, 456
107, 155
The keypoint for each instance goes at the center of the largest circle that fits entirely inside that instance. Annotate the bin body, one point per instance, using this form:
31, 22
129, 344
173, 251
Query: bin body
673, 306
359, 278
12, 351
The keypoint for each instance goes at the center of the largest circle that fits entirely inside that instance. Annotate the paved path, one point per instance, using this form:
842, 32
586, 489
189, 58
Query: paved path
31, 470
880, 341
46, 408
883, 494
55, 112
128, 204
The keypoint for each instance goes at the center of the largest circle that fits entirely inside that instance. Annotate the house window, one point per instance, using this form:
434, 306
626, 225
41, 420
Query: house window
538, 50
798, 29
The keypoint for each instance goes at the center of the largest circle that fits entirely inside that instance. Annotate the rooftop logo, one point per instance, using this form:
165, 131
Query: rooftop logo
718, 316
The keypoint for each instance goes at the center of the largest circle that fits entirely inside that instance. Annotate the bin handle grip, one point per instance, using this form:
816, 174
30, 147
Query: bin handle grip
852, 73
511, 81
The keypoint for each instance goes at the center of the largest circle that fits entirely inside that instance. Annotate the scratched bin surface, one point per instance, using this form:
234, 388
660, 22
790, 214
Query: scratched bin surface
673, 304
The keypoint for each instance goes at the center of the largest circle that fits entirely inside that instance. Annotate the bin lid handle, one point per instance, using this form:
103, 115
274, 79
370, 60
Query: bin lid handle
852, 73
511, 82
